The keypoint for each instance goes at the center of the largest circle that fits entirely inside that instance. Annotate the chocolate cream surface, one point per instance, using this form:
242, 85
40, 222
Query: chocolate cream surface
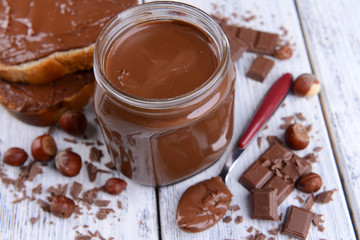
32, 29
203, 205
161, 59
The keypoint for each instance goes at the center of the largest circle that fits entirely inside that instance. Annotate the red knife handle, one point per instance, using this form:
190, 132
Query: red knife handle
271, 101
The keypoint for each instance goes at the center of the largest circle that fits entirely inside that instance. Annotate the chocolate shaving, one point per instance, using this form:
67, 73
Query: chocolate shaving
321, 228
311, 157
273, 139
95, 154
33, 171
90, 195
44, 205
101, 203
259, 139
110, 165
59, 190
317, 219
75, 190
300, 116
37, 189
227, 219
71, 140
250, 229
284, 126
275, 231
301, 200
103, 212
88, 143
309, 203
308, 128
324, 197
289, 119
317, 149
99, 143
239, 219
92, 171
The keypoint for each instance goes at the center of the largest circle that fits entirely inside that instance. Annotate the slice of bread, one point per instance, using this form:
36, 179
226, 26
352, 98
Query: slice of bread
43, 40
42, 105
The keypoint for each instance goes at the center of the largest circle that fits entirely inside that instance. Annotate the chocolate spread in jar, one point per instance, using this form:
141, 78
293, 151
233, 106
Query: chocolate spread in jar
159, 146
161, 60
202, 205
32, 29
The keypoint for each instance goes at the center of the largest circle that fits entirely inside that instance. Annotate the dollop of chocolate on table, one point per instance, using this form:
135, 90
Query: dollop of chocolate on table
203, 205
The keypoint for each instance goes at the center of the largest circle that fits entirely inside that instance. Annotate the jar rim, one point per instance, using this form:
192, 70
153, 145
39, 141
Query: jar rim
145, 11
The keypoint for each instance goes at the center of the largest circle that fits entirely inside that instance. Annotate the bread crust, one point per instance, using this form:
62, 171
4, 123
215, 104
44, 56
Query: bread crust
50, 68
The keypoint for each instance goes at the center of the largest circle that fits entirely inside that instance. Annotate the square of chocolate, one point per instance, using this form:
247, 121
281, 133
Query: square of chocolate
264, 204
237, 47
283, 188
297, 222
276, 151
248, 36
255, 176
260, 68
266, 43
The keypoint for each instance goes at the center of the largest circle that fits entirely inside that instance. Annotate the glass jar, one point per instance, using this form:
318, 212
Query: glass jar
161, 141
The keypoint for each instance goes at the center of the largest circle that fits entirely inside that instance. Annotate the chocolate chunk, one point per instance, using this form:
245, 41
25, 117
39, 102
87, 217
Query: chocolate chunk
264, 204
255, 176
297, 222
283, 188
266, 43
324, 197
260, 68
237, 47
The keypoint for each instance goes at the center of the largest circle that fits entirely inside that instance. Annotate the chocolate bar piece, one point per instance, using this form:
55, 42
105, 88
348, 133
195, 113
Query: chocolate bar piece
260, 68
297, 222
264, 204
237, 47
256, 41
255, 176
283, 188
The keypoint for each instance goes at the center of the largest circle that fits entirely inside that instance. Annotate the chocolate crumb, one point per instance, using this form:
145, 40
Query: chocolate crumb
317, 219
37, 189
325, 197
95, 154
311, 157
59, 190
239, 219
234, 208
119, 204
300, 116
34, 220
34, 171
301, 200
308, 128
90, 195
250, 229
289, 119
259, 139
321, 228
51, 130
283, 105
266, 127
227, 219
92, 171
284, 126
88, 143
99, 143
103, 213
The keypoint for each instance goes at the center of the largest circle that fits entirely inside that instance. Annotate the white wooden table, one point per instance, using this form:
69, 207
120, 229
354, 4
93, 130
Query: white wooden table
326, 36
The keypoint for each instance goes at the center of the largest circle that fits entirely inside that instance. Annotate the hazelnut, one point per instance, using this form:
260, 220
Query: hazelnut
73, 122
296, 136
68, 163
309, 183
284, 52
114, 186
15, 156
62, 206
43, 148
306, 85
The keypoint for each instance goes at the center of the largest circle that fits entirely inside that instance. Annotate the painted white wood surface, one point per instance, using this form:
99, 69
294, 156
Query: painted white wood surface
270, 16
332, 33
138, 218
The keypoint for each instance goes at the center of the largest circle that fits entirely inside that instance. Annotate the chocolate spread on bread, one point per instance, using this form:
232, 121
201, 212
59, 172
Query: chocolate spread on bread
32, 29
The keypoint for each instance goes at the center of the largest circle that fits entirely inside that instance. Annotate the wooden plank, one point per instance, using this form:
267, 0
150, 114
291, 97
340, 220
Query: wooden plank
332, 34
139, 203
270, 16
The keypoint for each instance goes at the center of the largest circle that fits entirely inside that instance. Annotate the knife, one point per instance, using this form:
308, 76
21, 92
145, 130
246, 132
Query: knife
272, 100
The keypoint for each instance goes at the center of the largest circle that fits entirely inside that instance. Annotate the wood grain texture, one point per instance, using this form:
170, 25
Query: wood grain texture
139, 203
274, 16
333, 37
